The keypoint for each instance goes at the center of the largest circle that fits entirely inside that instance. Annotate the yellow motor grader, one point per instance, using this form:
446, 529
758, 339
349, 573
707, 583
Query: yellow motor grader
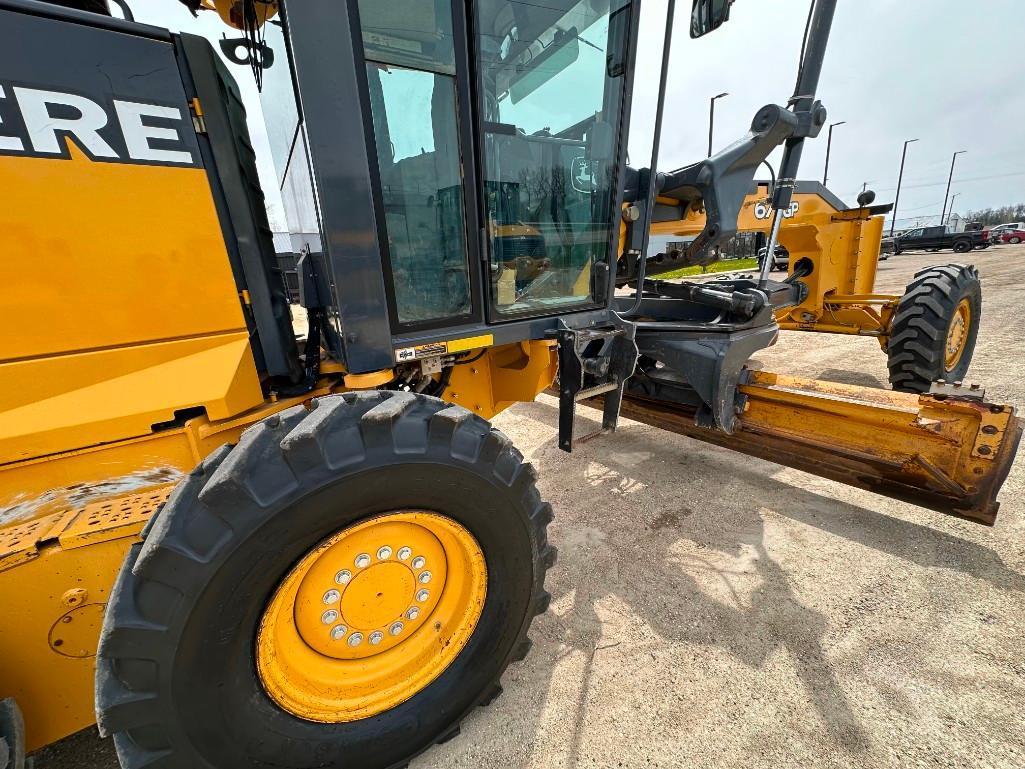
234, 547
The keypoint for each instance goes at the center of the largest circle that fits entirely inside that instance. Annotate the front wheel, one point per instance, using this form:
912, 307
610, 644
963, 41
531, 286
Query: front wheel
1015, 240
338, 590
962, 247
934, 328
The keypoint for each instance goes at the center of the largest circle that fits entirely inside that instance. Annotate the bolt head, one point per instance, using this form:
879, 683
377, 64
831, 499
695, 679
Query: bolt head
376, 637
384, 553
423, 595
419, 562
362, 560
425, 577
412, 613
404, 553
343, 577
338, 632
396, 628
355, 639
329, 617
332, 596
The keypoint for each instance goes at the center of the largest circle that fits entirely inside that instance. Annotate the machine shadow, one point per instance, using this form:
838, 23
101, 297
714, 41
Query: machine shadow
920, 544
771, 619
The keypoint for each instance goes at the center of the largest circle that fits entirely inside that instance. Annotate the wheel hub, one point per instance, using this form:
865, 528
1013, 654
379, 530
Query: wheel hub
371, 616
957, 334
369, 590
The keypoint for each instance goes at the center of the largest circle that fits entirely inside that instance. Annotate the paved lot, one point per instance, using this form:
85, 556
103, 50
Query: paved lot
712, 610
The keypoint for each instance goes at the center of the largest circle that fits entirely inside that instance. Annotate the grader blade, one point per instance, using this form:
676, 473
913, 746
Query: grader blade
948, 451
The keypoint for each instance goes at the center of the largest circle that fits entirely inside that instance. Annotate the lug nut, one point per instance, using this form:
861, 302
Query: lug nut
362, 560
412, 613
396, 628
338, 632
404, 553
343, 577
355, 639
329, 617
384, 553
376, 637
425, 577
423, 595
419, 562
332, 596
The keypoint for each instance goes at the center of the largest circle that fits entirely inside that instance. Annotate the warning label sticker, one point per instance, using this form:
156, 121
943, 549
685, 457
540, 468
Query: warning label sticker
403, 354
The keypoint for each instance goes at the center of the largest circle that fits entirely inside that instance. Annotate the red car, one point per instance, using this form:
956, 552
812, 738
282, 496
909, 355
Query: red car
1013, 236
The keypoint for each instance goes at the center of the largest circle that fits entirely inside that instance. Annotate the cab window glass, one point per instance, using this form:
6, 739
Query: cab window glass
410, 54
551, 87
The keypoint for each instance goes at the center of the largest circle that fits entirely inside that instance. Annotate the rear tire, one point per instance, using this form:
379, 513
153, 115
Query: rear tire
177, 682
1015, 240
923, 322
962, 246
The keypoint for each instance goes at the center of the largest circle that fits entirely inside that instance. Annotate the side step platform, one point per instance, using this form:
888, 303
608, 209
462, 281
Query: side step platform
593, 362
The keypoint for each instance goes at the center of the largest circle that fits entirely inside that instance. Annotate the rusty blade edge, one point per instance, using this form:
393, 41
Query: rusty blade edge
857, 469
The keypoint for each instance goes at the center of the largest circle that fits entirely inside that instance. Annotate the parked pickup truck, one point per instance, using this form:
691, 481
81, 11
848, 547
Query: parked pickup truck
936, 238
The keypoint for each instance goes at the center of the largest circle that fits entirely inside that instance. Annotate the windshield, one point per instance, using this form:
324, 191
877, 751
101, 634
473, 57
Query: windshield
552, 77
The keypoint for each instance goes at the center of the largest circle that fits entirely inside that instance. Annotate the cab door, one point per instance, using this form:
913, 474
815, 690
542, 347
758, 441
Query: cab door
415, 56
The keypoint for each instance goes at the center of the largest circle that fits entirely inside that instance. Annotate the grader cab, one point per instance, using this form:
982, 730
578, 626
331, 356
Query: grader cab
230, 545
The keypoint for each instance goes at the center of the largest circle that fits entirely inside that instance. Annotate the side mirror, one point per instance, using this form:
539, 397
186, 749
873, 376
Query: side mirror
707, 15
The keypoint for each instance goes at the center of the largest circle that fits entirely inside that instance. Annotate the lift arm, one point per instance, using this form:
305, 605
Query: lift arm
833, 249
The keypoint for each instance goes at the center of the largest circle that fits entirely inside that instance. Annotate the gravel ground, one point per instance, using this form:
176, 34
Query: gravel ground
714, 610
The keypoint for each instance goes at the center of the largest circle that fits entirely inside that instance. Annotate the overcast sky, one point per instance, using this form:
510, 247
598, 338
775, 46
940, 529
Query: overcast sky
949, 73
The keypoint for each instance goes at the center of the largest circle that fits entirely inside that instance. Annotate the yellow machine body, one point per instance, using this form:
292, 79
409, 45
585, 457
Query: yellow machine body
113, 332
843, 248
110, 333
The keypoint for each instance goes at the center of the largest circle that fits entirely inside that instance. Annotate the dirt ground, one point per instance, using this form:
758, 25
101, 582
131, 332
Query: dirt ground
713, 610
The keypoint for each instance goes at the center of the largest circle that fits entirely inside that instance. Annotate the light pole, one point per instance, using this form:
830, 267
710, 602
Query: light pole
943, 216
829, 144
952, 199
711, 119
900, 178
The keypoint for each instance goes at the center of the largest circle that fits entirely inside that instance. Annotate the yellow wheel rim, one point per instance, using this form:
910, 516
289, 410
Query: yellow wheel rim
957, 335
371, 616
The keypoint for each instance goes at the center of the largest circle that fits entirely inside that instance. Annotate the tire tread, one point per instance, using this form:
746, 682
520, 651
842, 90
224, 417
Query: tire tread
918, 331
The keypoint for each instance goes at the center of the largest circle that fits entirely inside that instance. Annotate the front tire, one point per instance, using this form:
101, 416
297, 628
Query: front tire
962, 247
1014, 241
934, 328
181, 659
